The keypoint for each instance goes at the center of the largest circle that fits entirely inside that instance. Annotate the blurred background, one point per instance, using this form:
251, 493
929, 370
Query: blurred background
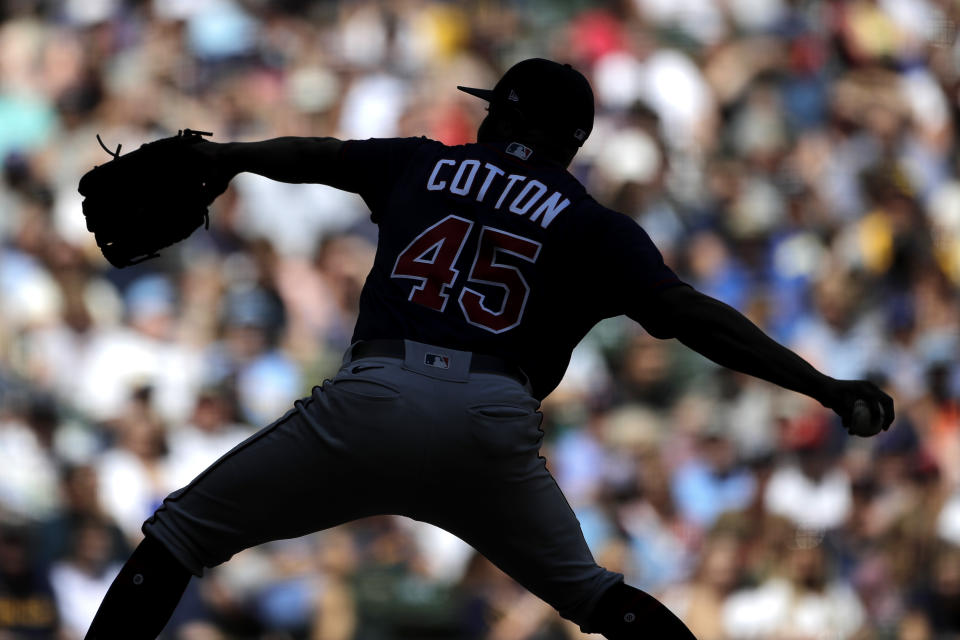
796, 159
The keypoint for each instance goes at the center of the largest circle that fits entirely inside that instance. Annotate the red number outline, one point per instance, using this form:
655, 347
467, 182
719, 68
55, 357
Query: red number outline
471, 301
485, 270
434, 299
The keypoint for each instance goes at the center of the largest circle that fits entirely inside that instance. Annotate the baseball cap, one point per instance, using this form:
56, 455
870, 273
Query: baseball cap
548, 94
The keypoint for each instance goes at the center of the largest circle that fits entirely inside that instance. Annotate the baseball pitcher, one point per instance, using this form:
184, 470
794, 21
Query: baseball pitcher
493, 262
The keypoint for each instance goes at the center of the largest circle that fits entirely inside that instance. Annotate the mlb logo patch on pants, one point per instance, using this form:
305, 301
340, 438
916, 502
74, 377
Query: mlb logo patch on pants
437, 360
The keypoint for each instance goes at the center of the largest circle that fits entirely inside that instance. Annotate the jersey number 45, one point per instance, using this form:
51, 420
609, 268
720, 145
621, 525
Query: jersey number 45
431, 257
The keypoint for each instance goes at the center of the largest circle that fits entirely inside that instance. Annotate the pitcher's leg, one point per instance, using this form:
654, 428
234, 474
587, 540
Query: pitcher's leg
142, 597
627, 613
525, 526
291, 478
314, 468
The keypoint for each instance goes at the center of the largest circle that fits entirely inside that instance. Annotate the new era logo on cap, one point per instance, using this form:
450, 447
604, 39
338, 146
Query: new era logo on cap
580, 135
513, 97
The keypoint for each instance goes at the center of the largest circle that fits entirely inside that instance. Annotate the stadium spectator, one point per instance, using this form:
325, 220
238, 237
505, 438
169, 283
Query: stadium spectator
796, 159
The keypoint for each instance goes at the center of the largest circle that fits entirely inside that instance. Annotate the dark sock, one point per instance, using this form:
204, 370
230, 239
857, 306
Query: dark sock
143, 597
626, 613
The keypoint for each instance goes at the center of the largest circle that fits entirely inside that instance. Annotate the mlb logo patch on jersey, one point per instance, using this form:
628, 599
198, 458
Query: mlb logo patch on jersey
437, 360
517, 149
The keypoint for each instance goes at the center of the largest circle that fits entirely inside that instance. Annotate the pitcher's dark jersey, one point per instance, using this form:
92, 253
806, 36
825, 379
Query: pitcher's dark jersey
483, 248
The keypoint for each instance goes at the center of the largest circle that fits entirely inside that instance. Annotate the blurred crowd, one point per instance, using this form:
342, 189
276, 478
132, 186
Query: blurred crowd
796, 159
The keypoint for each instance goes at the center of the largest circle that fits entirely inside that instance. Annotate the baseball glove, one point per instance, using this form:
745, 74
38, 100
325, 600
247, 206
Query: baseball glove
150, 198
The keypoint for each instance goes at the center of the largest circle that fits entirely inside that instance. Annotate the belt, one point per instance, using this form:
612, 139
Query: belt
479, 362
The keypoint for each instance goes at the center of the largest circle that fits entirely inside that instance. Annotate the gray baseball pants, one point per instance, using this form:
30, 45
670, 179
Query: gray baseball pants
454, 448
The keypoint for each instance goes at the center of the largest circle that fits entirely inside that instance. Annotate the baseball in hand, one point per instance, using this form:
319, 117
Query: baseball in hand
860, 422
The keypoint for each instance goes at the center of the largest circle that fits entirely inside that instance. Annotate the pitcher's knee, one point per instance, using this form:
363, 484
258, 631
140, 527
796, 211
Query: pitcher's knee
576, 597
626, 613
184, 541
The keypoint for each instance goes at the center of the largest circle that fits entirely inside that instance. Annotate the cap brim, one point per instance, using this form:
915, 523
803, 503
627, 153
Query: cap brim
486, 94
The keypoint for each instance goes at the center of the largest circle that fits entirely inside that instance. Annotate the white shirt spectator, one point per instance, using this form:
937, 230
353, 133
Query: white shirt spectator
806, 502
120, 360
776, 609
701, 19
128, 491
948, 522
618, 82
310, 211
756, 15
191, 450
372, 107
677, 90
843, 355
668, 80
79, 595
28, 475
445, 556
